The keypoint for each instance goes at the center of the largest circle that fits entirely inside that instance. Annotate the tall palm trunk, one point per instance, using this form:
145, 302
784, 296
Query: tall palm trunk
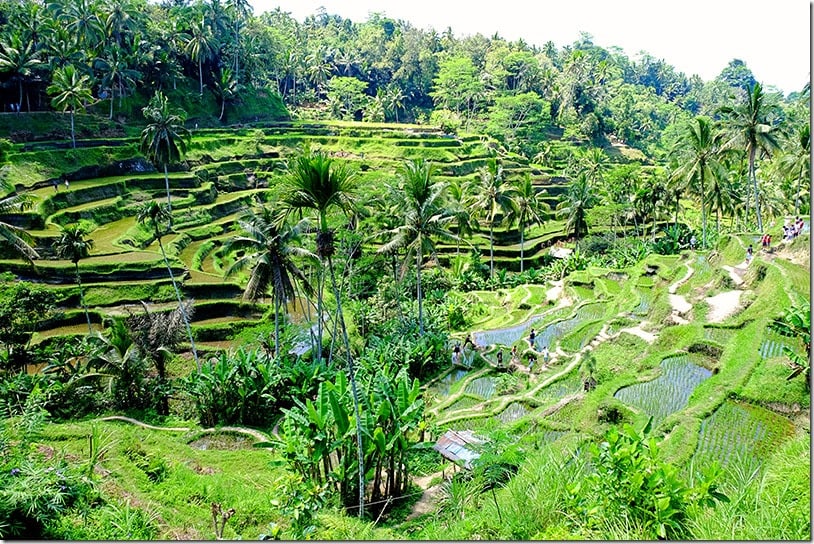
320, 287
703, 214
354, 391
491, 252
799, 190
178, 297
420, 301
522, 233
82, 297
200, 74
169, 200
73, 131
276, 325
753, 177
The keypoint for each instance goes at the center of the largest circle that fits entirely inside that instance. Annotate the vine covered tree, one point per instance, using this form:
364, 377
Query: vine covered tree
317, 184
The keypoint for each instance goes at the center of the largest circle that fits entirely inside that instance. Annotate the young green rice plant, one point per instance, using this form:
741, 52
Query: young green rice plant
484, 387
568, 385
669, 392
512, 413
739, 433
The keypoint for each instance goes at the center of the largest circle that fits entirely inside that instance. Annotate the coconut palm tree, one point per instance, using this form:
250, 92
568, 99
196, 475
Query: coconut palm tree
459, 200
17, 238
19, 59
796, 161
700, 163
315, 183
200, 47
424, 217
73, 246
574, 205
72, 90
117, 74
164, 139
153, 212
224, 88
240, 10
751, 127
529, 209
494, 200
269, 252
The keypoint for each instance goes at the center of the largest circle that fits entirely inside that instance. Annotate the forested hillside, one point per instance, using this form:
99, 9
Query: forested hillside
333, 279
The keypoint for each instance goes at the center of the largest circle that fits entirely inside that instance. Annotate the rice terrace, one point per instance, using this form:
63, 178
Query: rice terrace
263, 278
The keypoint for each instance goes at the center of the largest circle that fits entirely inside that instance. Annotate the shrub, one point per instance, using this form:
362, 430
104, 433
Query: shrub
631, 482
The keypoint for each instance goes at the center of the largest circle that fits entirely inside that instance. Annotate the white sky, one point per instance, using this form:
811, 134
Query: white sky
699, 37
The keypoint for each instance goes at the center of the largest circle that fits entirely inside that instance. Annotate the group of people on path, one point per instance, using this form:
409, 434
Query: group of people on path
464, 354
467, 351
793, 230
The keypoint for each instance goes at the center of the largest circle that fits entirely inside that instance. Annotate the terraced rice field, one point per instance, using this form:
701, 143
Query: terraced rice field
739, 433
225, 171
669, 392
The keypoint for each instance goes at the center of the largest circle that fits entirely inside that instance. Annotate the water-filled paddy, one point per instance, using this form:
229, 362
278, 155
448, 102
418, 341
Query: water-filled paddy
739, 432
669, 392
442, 386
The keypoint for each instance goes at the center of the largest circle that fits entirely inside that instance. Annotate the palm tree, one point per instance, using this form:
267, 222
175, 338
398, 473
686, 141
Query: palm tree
315, 183
72, 90
394, 99
459, 203
73, 246
15, 237
700, 162
796, 161
424, 216
117, 74
495, 198
225, 88
751, 127
530, 209
199, 46
19, 59
241, 9
269, 252
154, 213
574, 205
163, 140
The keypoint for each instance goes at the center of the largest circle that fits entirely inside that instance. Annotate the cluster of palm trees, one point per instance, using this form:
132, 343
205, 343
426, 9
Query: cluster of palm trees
709, 158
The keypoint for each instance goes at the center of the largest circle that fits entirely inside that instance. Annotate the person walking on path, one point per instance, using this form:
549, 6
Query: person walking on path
545, 354
749, 254
532, 337
531, 361
456, 353
515, 359
499, 358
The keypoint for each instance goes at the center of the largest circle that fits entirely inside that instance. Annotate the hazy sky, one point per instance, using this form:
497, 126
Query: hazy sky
699, 37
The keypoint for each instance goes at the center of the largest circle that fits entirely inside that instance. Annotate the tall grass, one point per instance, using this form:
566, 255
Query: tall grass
774, 504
